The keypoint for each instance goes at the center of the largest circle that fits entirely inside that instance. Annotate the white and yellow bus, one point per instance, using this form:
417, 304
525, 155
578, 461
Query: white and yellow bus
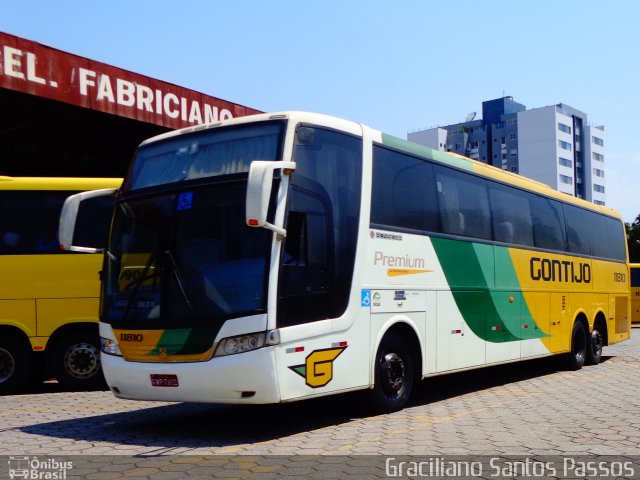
49, 298
372, 263
634, 269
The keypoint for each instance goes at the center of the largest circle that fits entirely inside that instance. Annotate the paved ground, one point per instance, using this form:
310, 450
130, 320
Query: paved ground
525, 409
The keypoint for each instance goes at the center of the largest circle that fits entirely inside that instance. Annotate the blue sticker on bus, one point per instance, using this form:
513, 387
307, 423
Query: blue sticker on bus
365, 298
185, 201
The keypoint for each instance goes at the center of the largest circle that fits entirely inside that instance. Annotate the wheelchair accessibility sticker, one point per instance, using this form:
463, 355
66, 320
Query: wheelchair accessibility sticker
185, 201
365, 298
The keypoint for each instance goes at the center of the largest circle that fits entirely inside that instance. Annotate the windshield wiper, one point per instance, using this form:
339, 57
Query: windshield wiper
140, 280
176, 272
137, 283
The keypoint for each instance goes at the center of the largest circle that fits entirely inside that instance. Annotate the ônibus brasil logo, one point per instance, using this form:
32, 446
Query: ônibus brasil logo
34, 468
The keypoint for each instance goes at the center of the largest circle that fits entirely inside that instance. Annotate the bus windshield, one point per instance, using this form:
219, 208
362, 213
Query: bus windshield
206, 153
183, 258
180, 254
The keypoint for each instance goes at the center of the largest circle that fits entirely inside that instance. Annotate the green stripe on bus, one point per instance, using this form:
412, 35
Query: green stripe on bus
200, 340
172, 340
185, 341
509, 280
426, 152
470, 272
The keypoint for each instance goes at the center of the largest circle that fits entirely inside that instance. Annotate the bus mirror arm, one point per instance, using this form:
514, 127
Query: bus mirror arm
69, 219
259, 193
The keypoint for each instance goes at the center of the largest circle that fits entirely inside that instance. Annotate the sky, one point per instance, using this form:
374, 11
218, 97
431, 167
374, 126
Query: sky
397, 66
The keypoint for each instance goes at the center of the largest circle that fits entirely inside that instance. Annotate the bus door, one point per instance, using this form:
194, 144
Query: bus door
317, 262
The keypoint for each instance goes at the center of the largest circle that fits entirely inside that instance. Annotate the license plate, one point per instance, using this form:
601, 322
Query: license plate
164, 380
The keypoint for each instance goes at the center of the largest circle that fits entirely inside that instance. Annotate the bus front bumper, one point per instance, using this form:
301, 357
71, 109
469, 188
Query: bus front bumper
248, 377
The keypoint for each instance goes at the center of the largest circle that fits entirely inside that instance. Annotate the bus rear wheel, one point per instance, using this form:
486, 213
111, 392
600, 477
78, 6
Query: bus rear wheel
594, 347
75, 360
15, 364
576, 359
393, 375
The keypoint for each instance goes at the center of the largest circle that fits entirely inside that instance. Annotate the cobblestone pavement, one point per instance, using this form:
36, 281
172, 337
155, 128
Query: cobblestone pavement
530, 408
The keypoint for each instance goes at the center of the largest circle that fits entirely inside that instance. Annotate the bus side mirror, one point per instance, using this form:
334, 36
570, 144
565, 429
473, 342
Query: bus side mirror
69, 218
259, 192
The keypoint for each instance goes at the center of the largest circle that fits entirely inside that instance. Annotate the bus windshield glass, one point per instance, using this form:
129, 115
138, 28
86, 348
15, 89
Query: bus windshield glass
207, 153
180, 254
185, 258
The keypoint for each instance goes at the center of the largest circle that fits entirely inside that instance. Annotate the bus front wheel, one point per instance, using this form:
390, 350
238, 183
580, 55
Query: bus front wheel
393, 375
15, 364
75, 360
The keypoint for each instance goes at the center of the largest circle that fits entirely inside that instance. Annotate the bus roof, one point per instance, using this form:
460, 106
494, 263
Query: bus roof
57, 183
319, 118
447, 158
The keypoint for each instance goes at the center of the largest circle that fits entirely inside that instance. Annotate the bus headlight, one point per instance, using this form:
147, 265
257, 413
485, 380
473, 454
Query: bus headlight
110, 347
239, 344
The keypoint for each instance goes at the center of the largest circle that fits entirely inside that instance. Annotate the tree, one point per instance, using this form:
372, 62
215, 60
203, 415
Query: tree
633, 240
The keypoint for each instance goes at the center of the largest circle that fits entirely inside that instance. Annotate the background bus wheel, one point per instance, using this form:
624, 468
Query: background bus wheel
393, 375
575, 360
15, 364
75, 360
594, 347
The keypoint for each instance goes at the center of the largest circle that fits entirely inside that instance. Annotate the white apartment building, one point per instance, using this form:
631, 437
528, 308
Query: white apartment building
554, 145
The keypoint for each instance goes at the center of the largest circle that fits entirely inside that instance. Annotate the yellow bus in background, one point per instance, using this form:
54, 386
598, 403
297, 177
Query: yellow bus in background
635, 292
48, 297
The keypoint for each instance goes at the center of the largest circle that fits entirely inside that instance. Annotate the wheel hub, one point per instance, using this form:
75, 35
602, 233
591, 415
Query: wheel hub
82, 360
7, 365
596, 341
579, 343
393, 374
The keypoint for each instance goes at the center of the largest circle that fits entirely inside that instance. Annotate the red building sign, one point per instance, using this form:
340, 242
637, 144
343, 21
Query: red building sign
30, 67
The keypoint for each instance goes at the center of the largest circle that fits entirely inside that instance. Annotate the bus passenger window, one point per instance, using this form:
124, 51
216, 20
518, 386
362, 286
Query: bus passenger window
10, 240
29, 221
511, 215
404, 196
464, 204
548, 223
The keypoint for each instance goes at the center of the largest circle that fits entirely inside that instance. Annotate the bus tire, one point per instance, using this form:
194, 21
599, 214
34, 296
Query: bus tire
16, 364
594, 347
393, 375
75, 360
576, 359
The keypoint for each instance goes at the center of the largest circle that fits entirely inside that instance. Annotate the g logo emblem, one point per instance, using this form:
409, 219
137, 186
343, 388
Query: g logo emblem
318, 367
